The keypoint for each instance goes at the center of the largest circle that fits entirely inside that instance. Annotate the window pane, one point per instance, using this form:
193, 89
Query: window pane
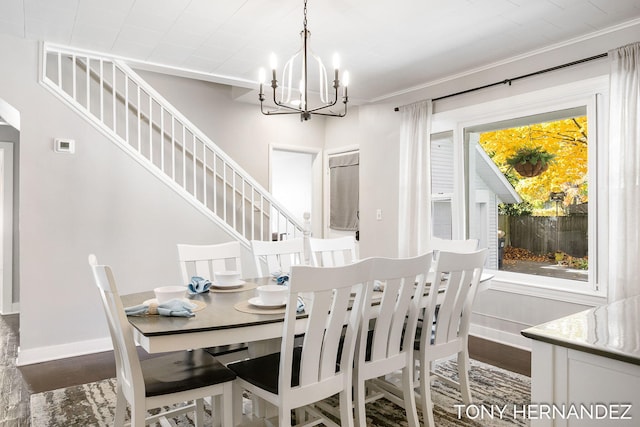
541, 208
441, 185
441, 217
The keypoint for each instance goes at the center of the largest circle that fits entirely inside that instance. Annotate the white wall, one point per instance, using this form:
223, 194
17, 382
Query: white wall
379, 130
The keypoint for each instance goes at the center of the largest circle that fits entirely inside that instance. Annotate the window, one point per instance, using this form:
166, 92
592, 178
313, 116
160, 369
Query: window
528, 194
540, 231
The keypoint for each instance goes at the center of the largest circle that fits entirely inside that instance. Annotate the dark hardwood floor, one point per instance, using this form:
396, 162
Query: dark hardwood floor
19, 383
83, 369
503, 356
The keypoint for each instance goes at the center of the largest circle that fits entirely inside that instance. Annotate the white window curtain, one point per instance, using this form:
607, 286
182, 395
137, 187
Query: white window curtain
414, 216
624, 169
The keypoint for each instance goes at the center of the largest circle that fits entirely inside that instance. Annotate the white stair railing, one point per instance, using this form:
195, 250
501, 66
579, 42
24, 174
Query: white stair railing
139, 120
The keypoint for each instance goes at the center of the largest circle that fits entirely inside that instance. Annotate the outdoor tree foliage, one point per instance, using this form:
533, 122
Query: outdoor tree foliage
567, 139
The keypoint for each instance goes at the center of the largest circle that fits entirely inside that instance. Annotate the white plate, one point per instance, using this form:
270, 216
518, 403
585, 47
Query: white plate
235, 284
256, 301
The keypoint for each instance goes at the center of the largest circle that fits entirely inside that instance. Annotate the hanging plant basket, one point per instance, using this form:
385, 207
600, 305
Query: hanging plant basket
531, 161
528, 170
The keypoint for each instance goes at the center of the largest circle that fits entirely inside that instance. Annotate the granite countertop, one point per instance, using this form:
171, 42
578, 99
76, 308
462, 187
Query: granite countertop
611, 330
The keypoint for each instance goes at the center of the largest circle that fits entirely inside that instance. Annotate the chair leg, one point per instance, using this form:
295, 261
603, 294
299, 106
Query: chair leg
227, 405
237, 404
346, 410
216, 410
199, 413
463, 375
121, 408
138, 415
359, 394
301, 415
409, 397
284, 416
425, 394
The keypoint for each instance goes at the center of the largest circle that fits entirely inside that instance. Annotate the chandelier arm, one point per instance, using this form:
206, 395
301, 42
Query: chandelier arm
313, 110
335, 100
330, 115
317, 111
277, 113
288, 107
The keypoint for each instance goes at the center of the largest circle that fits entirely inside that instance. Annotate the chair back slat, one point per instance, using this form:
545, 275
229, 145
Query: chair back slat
277, 256
458, 276
392, 321
332, 252
205, 260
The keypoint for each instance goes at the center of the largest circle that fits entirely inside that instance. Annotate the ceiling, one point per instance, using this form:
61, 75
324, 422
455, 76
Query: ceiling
387, 46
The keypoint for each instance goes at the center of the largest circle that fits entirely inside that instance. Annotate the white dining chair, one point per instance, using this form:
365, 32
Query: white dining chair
386, 346
205, 260
277, 256
454, 284
300, 375
165, 380
332, 252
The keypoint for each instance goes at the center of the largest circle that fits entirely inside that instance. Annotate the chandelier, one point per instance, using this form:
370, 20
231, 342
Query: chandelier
291, 100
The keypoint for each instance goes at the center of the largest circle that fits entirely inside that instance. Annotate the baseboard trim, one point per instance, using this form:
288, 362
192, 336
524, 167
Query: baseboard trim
500, 337
14, 308
63, 351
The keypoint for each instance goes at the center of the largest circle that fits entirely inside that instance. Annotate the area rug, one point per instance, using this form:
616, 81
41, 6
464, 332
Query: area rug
496, 393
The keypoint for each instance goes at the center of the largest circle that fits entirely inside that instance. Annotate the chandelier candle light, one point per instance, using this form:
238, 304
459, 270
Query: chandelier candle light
296, 102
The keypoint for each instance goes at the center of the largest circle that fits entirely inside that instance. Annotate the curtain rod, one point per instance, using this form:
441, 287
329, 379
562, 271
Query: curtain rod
513, 79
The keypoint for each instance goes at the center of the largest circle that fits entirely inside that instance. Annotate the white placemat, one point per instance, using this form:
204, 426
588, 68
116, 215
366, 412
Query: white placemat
245, 307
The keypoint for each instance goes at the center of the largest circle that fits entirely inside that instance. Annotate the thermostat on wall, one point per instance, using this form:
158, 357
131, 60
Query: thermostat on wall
64, 145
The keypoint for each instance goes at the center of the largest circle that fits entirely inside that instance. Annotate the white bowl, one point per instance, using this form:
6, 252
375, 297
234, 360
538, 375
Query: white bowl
166, 293
226, 278
273, 294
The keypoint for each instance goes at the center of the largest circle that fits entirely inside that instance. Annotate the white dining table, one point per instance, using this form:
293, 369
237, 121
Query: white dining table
217, 324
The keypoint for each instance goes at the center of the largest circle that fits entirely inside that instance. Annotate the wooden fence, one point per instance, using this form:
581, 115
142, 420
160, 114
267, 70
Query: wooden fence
543, 235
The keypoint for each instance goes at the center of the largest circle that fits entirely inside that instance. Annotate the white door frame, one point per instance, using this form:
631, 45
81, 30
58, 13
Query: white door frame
316, 198
6, 212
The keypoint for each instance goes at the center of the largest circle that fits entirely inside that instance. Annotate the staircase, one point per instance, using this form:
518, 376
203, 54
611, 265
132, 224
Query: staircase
126, 109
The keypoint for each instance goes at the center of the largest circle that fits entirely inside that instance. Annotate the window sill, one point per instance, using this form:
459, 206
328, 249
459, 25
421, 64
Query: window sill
547, 287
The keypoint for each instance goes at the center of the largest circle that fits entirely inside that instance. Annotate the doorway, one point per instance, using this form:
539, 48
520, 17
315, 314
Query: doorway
9, 140
295, 182
6, 228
